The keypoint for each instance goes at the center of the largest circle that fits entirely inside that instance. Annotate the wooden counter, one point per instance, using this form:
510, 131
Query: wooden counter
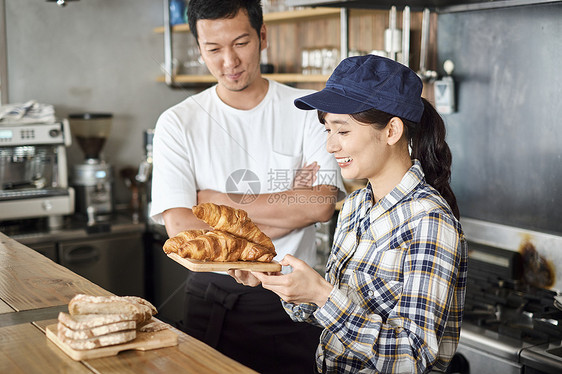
33, 289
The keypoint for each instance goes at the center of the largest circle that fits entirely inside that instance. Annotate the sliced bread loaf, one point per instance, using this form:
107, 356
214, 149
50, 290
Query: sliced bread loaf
90, 332
99, 341
89, 321
141, 310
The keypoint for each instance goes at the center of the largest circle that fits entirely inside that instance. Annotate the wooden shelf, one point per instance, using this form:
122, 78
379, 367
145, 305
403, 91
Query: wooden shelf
269, 18
184, 27
300, 14
298, 78
282, 78
190, 79
296, 15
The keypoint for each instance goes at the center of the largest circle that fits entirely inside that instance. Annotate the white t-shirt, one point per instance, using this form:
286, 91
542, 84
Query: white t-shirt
202, 143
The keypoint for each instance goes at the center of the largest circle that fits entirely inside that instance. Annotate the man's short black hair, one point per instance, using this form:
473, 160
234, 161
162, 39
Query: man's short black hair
220, 9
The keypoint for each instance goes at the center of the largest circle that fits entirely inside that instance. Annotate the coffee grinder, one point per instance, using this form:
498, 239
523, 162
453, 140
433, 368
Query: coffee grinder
93, 179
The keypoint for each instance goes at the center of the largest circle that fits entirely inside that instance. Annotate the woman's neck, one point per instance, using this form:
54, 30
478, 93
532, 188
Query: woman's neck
390, 176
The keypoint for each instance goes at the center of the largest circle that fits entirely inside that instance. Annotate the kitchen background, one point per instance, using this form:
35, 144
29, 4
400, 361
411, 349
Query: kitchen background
99, 55
104, 56
92, 56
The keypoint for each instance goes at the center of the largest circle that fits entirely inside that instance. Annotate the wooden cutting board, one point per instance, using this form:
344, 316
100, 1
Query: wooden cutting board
202, 266
143, 342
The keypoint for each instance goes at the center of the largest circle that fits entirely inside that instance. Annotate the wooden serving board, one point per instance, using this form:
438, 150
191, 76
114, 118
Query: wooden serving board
143, 342
202, 266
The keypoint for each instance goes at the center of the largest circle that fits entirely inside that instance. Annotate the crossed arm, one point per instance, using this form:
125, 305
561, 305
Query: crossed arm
276, 214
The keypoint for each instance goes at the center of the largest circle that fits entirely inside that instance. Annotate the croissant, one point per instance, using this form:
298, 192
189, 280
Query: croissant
221, 246
175, 243
233, 221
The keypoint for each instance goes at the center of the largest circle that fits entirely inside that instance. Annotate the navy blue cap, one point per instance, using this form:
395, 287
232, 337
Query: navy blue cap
369, 82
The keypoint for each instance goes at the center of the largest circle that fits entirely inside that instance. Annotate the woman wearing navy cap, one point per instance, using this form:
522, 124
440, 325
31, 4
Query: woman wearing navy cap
393, 295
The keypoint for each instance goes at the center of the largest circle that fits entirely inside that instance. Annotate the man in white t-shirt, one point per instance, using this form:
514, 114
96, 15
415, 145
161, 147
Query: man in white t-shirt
241, 143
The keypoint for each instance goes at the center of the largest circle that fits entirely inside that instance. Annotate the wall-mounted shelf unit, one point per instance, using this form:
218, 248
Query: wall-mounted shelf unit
269, 18
294, 31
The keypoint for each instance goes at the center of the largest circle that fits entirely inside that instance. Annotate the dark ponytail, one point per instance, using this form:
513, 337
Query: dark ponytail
427, 140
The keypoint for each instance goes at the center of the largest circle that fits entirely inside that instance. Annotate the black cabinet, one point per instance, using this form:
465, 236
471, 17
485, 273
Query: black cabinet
166, 279
48, 250
114, 262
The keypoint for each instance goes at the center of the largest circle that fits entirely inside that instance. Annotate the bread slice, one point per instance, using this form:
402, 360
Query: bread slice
95, 331
153, 326
91, 321
141, 310
99, 341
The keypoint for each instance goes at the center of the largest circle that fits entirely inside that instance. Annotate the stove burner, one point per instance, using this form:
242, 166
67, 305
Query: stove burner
511, 307
509, 324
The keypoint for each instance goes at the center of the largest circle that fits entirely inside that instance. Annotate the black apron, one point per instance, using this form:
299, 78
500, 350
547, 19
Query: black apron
248, 324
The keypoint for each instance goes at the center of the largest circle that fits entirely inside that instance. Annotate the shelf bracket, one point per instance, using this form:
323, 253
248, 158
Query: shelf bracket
168, 47
344, 33
3, 58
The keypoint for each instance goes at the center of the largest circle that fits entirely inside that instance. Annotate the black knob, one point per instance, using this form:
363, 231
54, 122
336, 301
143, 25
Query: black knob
54, 133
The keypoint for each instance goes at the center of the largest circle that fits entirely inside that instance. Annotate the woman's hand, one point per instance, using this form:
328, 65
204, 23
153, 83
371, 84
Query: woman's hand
303, 285
245, 277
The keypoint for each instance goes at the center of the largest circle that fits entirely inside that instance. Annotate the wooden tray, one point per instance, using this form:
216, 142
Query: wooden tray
202, 266
143, 342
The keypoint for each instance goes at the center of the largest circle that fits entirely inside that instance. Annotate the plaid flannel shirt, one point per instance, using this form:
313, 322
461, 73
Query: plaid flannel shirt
399, 270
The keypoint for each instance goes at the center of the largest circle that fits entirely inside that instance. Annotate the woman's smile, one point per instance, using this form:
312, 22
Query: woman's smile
344, 161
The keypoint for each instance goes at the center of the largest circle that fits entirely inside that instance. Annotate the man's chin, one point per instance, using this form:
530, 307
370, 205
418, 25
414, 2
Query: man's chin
235, 86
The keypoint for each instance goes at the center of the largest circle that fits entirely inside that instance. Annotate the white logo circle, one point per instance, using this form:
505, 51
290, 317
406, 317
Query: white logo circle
245, 184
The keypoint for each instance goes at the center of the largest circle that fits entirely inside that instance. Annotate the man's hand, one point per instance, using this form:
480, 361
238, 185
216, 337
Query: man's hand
306, 176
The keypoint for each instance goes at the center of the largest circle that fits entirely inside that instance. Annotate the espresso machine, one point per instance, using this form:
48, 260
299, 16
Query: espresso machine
92, 179
33, 172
